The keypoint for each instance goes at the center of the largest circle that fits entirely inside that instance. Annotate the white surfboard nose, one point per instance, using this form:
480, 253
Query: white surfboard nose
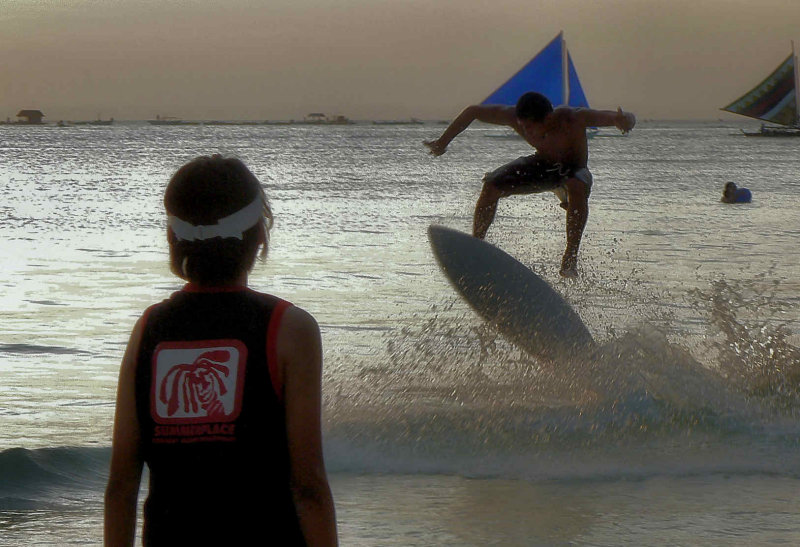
505, 292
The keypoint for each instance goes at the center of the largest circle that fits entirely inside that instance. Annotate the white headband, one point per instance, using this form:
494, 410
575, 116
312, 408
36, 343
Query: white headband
230, 226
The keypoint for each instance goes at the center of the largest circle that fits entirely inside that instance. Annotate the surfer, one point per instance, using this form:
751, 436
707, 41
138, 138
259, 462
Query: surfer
559, 164
220, 387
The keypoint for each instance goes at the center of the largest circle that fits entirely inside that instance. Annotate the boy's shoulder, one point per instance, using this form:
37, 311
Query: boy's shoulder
565, 116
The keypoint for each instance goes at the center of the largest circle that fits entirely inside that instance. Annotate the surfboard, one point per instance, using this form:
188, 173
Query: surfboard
521, 305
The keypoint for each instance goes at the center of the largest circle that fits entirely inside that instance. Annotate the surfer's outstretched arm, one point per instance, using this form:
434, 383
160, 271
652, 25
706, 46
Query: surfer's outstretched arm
494, 114
624, 121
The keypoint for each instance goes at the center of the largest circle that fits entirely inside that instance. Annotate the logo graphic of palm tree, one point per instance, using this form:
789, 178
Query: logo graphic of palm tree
197, 385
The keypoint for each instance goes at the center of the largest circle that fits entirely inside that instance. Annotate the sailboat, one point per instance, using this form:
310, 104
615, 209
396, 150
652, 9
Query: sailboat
775, 100
552, 73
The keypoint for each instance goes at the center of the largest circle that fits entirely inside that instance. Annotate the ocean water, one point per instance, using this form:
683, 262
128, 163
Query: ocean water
682, 430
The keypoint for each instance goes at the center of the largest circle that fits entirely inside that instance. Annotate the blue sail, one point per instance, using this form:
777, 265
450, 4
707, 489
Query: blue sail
577, 97
544, 73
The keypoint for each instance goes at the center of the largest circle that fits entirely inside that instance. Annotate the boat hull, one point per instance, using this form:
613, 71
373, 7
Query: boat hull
774, 132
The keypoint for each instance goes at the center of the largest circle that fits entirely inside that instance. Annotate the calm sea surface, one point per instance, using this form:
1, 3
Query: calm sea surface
683, 431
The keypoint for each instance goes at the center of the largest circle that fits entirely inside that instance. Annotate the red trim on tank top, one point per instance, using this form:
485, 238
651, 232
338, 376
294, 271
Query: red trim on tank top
272, 347
146, 314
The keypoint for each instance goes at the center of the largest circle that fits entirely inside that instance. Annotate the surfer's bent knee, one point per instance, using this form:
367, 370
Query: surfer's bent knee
576, 189
490, 187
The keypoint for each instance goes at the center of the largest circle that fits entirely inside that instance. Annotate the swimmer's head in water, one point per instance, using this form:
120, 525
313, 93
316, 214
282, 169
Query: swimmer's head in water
218, 218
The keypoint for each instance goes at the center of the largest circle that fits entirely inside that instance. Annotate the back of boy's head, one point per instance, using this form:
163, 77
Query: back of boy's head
533, 106
203, 192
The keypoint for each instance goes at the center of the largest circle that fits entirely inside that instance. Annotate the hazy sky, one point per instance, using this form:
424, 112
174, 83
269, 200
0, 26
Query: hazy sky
368, 59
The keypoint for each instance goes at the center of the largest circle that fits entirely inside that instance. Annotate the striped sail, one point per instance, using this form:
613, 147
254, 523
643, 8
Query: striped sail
773, 100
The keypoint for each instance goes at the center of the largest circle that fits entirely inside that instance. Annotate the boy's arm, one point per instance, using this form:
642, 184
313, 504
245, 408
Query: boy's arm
495, 114
624, 121
125, 474
299, 349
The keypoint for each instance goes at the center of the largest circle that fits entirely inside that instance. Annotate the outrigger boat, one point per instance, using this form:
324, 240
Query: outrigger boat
775, 100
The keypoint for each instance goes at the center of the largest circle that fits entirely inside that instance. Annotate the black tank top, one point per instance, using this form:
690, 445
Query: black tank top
212, 421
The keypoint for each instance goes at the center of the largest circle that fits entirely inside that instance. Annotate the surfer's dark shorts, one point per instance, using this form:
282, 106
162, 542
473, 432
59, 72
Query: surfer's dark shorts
531, 175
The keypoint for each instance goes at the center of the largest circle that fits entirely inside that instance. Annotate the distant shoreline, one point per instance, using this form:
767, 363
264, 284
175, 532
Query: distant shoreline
180, 123
358, 122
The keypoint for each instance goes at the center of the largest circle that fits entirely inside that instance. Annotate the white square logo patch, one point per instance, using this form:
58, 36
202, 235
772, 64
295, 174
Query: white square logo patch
197, 382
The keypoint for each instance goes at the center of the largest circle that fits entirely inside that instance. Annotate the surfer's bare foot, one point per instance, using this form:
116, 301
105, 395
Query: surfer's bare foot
569, 267
570, 273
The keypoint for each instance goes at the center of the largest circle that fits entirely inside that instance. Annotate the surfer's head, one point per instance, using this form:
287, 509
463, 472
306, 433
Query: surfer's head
218, 217
533, 107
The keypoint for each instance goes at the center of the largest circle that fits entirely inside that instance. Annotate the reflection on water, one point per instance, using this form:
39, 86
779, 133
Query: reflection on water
84, 251
451, 510
716, 511
695, 304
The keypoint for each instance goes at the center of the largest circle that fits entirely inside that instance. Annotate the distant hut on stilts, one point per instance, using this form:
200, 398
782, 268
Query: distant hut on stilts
30, 116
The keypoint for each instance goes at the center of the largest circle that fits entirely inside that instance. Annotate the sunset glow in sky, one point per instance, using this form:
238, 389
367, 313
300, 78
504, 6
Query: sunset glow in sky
376, 59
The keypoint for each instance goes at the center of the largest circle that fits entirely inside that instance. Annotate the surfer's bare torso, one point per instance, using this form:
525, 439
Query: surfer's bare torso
559, 139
